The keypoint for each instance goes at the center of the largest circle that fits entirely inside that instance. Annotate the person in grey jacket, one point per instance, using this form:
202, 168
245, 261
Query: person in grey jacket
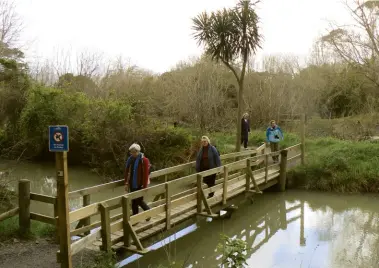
208, 158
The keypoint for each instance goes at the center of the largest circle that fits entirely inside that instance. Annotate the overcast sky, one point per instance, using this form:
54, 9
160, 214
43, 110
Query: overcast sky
157, 34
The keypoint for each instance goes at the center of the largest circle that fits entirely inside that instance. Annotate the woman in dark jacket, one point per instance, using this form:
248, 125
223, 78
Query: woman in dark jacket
245, 130
208, 158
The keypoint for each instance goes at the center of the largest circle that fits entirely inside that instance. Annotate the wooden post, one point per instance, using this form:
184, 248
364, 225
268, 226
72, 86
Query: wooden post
266, 167
283, 170
24, 205
199, 192
105, 227
86, 202
126, 207
302, 238
302, 146
225, 188
248, 166
165, 178
56, 217
168, 206
63, 216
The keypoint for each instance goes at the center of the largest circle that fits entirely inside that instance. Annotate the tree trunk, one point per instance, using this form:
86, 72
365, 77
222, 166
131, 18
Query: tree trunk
239, 116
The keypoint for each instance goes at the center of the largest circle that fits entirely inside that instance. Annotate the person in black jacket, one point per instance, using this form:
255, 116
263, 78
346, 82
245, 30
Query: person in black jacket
245, 130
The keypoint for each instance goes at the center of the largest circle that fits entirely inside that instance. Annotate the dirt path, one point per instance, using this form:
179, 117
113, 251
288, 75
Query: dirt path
40, 253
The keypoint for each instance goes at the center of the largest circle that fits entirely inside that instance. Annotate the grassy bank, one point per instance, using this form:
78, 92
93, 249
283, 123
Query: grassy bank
9, 229
339, 166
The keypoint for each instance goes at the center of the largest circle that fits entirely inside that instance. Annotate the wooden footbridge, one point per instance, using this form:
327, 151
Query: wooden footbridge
174, 201
274, 214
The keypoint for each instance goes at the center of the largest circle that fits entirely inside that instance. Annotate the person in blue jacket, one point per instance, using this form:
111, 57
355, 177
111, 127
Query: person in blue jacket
273, 136
208, 158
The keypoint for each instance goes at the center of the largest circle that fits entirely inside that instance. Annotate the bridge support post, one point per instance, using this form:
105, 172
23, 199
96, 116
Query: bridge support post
302, 138
225, 186
86, 202
199, 193
126, 207
64, 256
24, 205
283, 170
105, 228
168, 206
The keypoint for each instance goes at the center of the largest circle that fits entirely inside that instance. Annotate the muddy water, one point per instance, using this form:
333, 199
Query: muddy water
43, 181
290, 230
294, 229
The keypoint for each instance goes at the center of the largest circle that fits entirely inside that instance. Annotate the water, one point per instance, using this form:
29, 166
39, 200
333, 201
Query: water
43, 181
321, 230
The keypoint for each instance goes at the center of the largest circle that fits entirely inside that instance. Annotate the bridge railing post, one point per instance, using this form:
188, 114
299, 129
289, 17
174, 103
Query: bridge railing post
126, 208
24, 205
105, 227
283, 170
86, 202
302, 139
168, 206
225, 186
199, 192
266, 167
248, 166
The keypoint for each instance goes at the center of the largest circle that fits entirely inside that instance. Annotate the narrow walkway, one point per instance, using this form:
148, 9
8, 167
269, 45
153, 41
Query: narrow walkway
144, 230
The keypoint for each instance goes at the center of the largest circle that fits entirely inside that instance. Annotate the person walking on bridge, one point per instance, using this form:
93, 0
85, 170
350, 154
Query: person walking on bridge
137, 176
245, 130
273, 136
208, 158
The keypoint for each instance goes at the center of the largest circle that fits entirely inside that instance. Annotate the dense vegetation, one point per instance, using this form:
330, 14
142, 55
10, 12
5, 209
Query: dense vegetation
107, 107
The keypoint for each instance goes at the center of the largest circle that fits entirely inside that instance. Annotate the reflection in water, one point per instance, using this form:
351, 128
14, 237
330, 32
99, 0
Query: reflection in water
255, 227
296, 229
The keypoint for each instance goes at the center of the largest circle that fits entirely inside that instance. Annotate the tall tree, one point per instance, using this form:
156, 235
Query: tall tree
230, 36
358, 44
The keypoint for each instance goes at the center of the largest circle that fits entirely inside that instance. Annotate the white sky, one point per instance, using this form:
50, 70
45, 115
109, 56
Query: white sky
157, 34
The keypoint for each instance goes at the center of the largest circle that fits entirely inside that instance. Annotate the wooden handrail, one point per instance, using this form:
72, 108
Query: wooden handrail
115, 202
154, 174
10, 213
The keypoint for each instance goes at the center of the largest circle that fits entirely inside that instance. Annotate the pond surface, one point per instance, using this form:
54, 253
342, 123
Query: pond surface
289, 230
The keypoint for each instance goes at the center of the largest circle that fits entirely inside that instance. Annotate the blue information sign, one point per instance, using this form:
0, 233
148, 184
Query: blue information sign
58, 139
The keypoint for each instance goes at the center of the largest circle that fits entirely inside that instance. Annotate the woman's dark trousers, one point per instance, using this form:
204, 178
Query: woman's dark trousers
244, 139
210, 181
138, 202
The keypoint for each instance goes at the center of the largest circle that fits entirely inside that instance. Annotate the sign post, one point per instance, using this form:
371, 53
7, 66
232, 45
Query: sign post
59, 143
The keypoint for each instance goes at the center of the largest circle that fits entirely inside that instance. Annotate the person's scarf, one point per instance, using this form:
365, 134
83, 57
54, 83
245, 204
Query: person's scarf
134, 183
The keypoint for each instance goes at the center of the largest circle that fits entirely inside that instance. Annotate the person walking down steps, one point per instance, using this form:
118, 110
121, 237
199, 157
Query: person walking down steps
137, 176
208, 158
245, 130
273, 136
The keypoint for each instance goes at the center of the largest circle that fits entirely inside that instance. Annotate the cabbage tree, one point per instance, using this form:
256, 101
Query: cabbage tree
230, 36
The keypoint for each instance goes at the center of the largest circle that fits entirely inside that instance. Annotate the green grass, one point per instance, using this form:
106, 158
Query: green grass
9, 228
102, 260
225, 141
339, 166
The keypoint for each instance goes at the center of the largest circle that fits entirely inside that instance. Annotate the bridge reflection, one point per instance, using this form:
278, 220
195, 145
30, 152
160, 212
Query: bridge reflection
196, 245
